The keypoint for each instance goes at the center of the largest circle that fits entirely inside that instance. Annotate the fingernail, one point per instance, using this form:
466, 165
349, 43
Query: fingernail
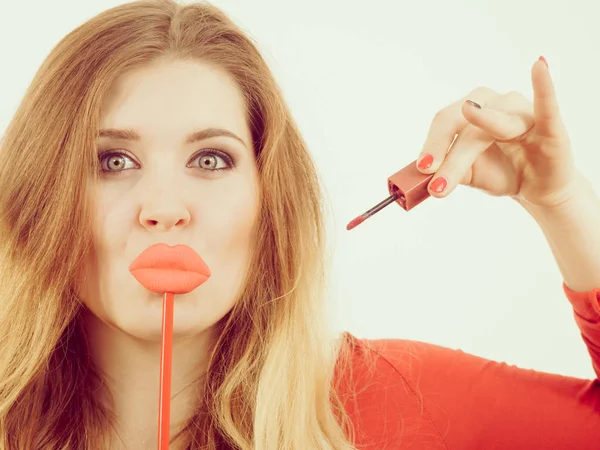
475, 104
541, 58
438, 185
426, 162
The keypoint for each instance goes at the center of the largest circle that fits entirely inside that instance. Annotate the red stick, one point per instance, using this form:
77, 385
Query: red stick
166, 357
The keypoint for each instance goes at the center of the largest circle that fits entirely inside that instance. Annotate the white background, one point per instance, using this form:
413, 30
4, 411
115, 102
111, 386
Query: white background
364, 80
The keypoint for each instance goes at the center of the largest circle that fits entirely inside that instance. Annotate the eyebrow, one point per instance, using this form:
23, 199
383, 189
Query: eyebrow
207, 133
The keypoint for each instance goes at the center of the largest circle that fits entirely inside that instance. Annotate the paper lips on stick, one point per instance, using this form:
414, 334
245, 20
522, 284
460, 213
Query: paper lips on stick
168, 270
178, 270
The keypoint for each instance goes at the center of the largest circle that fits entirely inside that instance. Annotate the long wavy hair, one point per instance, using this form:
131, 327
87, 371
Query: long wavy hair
271, 378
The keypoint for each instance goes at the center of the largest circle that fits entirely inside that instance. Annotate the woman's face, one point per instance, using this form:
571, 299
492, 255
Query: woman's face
167, 130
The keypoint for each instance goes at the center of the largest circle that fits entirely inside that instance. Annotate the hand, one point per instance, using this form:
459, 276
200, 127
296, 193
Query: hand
505, 145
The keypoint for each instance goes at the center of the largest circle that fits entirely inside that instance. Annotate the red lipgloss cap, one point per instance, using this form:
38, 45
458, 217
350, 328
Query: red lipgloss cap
410, 185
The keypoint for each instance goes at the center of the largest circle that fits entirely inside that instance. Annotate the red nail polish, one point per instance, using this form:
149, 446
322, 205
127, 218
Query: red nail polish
438, 185
541, 58
426, 162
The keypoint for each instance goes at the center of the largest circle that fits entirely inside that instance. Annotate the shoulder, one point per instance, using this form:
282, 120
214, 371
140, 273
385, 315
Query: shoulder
380, 387
412, 395
405, 361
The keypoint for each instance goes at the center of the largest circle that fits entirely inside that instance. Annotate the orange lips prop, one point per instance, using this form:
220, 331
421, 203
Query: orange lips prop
161, 268
168, 270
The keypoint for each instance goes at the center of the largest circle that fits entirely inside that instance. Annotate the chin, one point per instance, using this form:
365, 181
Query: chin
152, 331
193, 314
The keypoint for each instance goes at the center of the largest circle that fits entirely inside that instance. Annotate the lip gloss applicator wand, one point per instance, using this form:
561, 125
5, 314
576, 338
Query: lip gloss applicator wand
407, 187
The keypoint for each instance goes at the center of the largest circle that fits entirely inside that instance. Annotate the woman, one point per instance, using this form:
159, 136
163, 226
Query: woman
155, 122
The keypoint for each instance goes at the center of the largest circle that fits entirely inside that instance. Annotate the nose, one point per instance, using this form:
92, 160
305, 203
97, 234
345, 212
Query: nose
161, 211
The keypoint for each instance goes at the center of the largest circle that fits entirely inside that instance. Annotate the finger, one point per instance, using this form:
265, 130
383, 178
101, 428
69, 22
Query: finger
456, 168
546, 111
501, 125
443, 130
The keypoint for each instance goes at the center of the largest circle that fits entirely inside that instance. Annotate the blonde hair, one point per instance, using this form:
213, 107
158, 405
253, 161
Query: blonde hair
271, 378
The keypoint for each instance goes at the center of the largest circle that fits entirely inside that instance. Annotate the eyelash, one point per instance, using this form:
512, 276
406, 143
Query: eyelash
107, 153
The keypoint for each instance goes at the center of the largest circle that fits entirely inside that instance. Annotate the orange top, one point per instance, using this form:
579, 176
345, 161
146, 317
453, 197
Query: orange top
422, 396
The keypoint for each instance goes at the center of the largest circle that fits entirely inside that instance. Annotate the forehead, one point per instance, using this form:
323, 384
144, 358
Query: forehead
174, 96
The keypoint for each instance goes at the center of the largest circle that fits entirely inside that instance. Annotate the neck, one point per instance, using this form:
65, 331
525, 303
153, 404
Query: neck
130, 368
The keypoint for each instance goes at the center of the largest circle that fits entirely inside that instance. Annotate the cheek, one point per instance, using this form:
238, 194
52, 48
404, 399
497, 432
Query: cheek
112, 221
233, 219
109, 232
87, 282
